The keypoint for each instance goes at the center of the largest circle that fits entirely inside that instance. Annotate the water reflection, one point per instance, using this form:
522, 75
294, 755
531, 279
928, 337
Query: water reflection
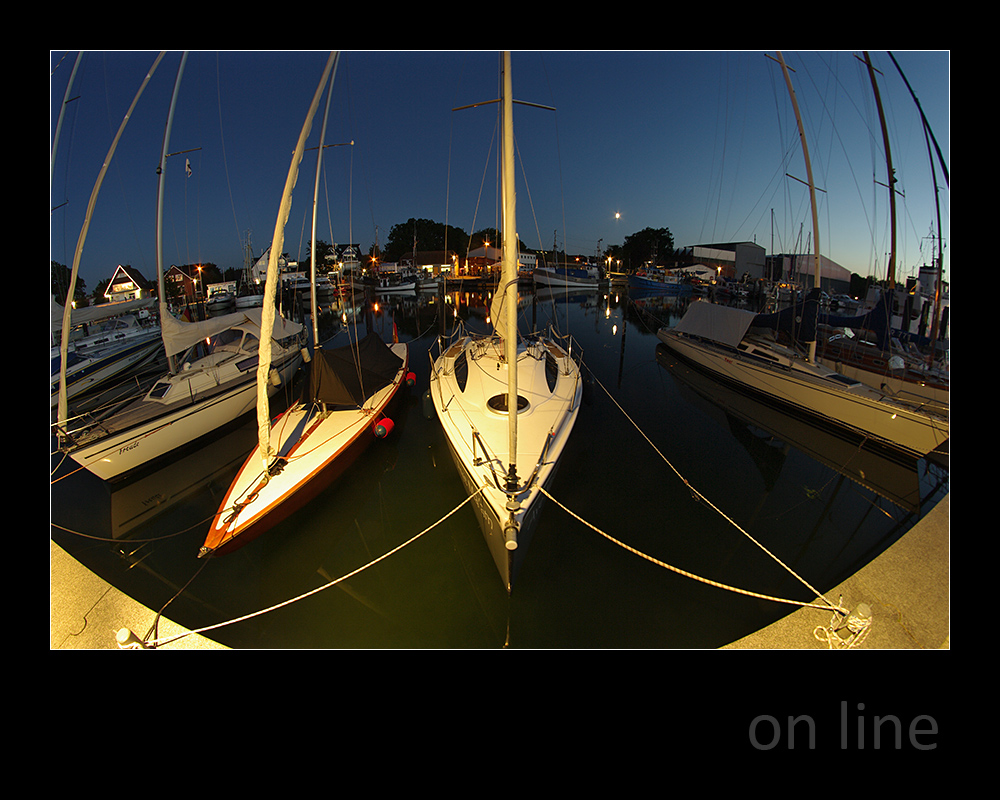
824, 505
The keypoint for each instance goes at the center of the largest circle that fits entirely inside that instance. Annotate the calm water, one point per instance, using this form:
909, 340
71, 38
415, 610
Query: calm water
821, 504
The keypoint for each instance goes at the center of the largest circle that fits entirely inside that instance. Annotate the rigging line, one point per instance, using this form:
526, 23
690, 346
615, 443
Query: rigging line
318, 589
130, 540
222, 140
708, 502
830, 606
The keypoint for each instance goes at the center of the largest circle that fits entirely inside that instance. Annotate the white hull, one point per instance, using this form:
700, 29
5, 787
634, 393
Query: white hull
100, 367
572, 277
477, 431
171, 428
818, 391
313, 449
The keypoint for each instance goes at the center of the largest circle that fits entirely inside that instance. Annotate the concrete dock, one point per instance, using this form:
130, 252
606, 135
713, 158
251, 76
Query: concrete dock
86, 612
906, 589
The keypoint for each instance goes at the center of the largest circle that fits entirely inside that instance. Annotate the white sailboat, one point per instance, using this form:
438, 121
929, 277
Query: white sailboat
723, 341
502, 457
351, 390
210, 386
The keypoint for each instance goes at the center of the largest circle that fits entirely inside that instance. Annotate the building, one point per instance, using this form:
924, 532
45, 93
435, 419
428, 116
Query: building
731, 260
128, 284
799, 269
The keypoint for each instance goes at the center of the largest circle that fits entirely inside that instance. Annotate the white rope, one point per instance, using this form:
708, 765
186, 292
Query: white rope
158, 642
711, 505
685, 573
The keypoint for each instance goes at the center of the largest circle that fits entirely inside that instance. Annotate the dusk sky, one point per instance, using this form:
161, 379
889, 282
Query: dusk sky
695, 141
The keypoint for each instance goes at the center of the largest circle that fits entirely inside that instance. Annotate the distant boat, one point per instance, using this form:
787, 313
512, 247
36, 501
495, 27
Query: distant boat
505, 458
658, 279
586, 276
106, 342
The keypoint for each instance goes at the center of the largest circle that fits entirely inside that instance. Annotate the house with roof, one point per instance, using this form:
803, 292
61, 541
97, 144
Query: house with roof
128, 284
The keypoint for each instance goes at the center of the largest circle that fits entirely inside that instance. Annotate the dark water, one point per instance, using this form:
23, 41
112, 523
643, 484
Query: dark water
823, 505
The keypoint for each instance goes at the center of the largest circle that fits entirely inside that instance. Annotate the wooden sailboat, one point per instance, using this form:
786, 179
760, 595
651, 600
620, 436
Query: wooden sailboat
351, 390
502, 457
728, 343
210, 383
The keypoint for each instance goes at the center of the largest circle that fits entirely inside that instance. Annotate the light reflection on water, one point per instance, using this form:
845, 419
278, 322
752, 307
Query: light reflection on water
816, 502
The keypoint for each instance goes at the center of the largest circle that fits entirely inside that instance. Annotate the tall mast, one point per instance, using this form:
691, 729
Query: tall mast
812, 188
271, 284
510, 266
891, 271
319, 161
63, 405
160, 287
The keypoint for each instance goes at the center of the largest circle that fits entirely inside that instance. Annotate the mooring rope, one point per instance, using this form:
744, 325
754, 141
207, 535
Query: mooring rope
710, 504
159, 642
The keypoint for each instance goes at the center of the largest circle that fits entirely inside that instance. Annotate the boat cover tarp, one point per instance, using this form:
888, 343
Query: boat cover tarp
719, 323
798, 320
347, 376
92, 314
178, 335
876, 320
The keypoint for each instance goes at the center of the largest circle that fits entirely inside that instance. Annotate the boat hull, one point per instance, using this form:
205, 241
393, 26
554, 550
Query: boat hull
570, 277
115, 456
105, 366
850, 405
477, 434
316, 450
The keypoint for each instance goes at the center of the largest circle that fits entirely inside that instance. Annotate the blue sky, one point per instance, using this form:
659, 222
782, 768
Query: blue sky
695, 141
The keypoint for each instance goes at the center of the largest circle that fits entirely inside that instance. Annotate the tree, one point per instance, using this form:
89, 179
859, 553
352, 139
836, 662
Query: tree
649, 244
60, 275
429, 235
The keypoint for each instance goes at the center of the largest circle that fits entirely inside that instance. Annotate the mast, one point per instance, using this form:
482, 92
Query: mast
812, 189
271, 284
891, 271
510, 267
63, 406
319, 160
160, 288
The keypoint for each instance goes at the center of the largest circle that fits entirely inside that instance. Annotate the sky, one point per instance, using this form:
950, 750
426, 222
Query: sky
699, 142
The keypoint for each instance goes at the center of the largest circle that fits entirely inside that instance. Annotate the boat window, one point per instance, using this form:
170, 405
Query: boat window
159, 390
228, 339
551, 371
461, 370
498, 403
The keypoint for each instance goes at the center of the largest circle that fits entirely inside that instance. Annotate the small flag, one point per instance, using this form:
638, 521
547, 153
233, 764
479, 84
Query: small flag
187, 166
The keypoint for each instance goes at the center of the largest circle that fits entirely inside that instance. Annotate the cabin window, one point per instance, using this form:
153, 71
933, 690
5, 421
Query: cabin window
462, 370
498, 403
551, 371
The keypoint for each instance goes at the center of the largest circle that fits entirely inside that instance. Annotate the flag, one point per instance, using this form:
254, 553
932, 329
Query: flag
187, 166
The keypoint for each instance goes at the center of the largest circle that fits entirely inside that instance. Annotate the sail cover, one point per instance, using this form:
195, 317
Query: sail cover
347, 376
718, 323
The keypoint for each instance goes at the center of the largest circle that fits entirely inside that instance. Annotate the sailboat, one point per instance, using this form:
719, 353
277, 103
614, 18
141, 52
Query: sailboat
505, 458
343, 410
209, 386
882, 361
731, 344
